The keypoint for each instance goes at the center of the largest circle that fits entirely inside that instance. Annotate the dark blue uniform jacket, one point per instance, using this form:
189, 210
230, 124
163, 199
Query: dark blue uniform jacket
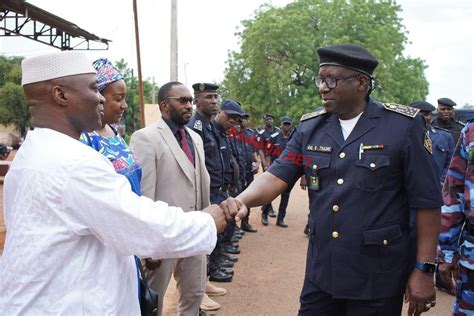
360, 244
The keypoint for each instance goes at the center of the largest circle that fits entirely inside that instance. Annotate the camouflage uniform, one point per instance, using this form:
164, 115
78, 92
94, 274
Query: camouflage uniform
456, 241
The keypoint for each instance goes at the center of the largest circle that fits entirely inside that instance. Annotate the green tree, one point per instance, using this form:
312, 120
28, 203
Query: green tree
13, 108
132, 114
275, 67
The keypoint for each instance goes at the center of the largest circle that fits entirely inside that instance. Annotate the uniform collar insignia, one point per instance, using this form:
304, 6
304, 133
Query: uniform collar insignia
198, 125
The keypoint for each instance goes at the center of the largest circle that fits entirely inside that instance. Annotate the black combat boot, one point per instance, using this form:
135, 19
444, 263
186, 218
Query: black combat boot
245, 225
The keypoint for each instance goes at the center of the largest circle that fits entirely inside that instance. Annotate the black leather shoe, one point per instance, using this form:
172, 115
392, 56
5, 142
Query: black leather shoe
264, 219
226, 263
225, 256
281, 223
247, 227
234, 240
271, 213
226, 270
240, 231
219, 276
232, 249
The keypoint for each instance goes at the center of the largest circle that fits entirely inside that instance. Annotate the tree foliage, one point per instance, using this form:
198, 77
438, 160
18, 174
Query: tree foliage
275, 68
13, 108
132, 114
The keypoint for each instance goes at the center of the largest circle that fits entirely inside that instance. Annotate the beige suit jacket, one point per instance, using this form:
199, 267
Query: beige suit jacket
168, 175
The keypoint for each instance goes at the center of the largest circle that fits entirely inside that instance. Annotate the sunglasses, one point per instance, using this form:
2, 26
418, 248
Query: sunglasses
182, 100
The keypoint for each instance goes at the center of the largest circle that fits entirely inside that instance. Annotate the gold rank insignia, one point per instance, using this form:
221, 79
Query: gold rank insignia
307, 116
427, 143
402, 109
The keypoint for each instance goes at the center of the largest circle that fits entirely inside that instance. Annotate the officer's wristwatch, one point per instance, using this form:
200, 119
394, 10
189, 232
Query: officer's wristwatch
426, 266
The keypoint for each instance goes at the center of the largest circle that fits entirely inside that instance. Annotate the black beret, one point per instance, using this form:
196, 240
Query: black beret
348, 56
446, 102
267, 115
285, 119
423, 106
231, 107
201, 87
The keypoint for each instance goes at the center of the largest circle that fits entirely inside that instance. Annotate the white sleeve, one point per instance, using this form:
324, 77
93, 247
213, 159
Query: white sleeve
98, 201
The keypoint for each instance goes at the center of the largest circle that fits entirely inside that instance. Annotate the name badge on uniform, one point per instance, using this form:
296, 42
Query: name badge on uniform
314, 178
318, 148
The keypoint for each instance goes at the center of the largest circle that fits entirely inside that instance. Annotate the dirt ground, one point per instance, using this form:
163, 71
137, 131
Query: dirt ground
269, 275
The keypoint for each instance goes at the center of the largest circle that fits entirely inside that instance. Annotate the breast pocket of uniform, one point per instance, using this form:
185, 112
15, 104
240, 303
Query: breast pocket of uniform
317, 172
371, 172
209, 148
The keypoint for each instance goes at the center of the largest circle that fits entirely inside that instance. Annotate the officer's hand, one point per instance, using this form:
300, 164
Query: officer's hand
449, 275
218, 215
234, 209
420, 292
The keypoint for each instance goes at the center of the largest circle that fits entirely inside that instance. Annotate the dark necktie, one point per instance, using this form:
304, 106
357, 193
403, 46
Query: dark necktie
185, 145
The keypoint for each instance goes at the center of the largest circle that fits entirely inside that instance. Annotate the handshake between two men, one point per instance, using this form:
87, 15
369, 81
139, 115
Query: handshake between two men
230, 209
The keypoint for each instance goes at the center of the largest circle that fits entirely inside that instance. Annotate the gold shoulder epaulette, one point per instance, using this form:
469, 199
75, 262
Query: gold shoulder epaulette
402, 109
307, 116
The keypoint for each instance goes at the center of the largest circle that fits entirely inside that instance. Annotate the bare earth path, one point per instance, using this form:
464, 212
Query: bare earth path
269, 275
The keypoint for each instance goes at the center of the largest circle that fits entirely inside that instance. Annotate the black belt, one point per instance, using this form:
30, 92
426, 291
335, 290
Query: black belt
216, 190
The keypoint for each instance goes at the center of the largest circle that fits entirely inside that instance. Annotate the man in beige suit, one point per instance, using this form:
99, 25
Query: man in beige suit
172, 158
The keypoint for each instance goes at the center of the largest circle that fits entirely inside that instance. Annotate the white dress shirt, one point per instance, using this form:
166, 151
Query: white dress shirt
73, 226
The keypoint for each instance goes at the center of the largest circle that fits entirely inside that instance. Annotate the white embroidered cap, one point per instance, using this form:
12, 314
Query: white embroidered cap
56, 65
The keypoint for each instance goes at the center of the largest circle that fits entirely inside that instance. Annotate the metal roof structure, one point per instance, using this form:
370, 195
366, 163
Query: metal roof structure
20, 18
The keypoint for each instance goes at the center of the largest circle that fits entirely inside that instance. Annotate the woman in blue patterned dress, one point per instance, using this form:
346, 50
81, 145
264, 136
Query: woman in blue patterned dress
107, 140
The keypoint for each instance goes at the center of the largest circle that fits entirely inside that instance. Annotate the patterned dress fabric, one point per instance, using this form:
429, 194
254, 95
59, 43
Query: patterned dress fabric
117, 151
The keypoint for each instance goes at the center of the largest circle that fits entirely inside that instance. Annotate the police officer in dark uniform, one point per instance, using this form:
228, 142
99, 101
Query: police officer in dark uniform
443, 143
232, 154
443, 150
263, 135
366, 164
275, 146
205, 98
445, 118
251, 152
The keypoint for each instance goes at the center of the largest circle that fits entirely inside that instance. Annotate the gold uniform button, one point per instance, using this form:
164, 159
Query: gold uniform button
385, 242
335, 208
342, 155
372, 165
335, 234
340, 181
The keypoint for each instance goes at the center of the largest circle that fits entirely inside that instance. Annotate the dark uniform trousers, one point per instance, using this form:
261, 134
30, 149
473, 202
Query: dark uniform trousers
314, 302
361, 190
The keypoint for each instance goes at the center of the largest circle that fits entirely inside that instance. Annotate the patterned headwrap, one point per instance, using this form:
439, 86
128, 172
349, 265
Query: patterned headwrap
106, 73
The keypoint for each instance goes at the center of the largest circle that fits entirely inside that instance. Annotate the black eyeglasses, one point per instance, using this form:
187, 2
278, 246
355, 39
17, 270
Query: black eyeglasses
331, 82
182, 100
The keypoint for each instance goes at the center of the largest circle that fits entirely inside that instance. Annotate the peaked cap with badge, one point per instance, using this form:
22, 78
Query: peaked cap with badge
204, 87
